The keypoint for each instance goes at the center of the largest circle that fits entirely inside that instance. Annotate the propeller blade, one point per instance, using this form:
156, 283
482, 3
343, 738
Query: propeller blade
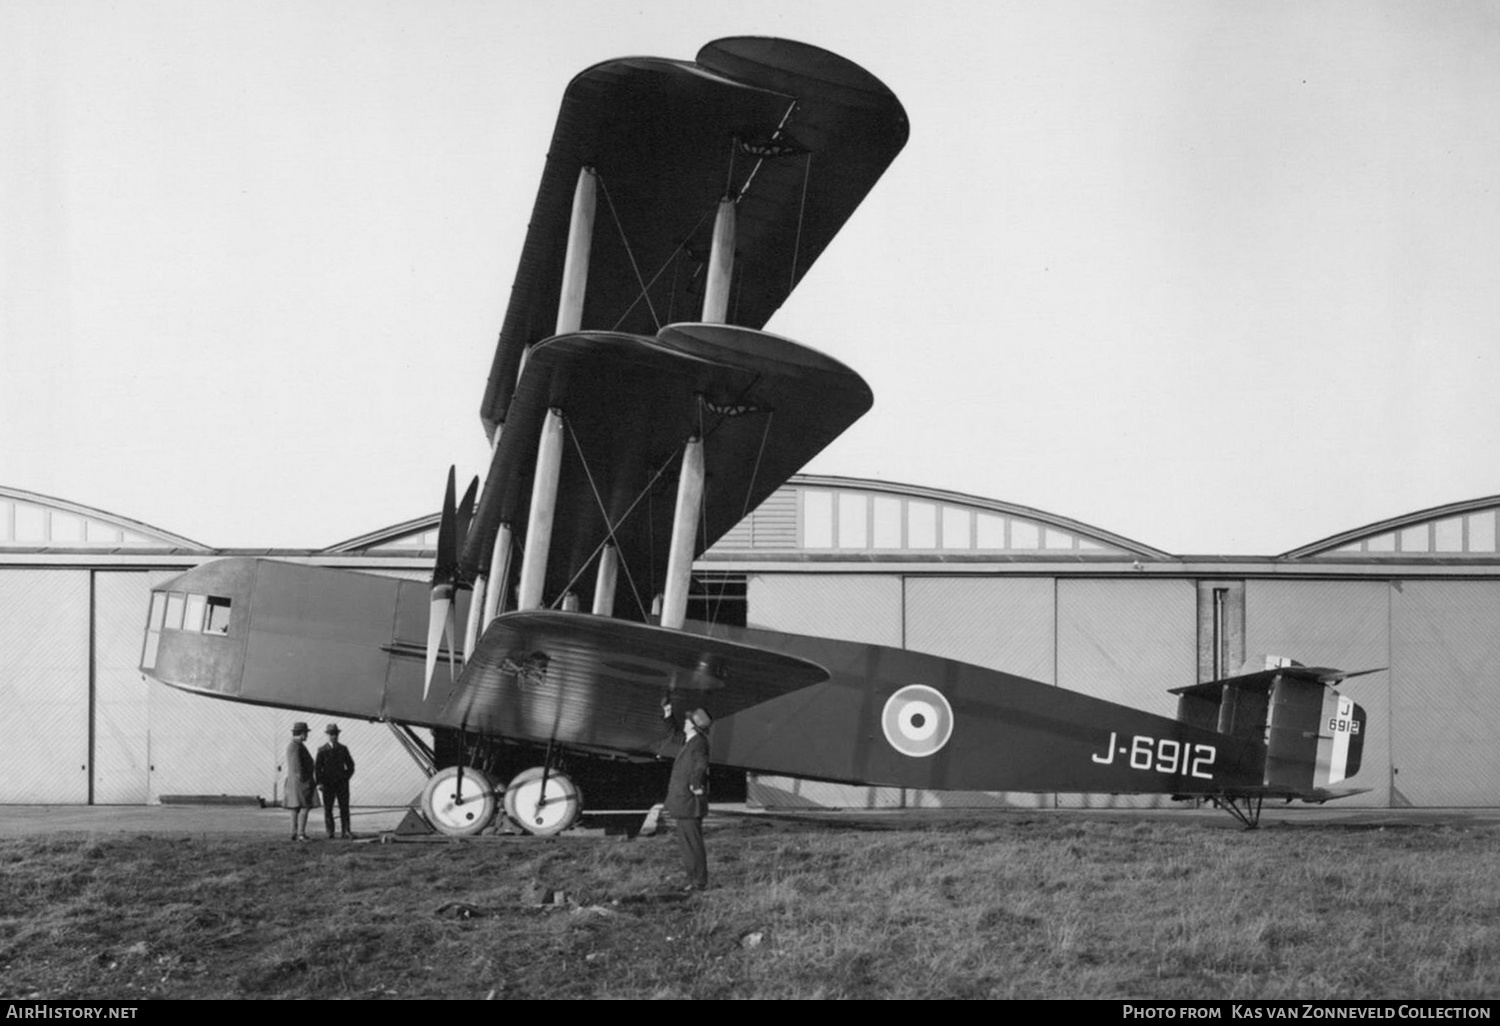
439, 618
463, 519
444, 576
445, 570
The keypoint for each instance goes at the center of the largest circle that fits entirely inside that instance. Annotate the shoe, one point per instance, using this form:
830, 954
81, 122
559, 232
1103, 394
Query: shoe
303, 837
330, 835
346, 835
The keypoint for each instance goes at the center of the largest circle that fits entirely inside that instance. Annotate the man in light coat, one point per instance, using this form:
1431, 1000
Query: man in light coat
300, 792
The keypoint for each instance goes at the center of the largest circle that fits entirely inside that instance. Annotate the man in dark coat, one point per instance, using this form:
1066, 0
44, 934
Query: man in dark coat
300, 787
687, 797
335, 766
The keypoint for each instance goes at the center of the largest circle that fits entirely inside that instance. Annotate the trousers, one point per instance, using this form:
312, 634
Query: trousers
341, 793
694, 855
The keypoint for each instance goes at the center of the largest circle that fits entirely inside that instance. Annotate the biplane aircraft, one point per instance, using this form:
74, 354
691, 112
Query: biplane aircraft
637, 412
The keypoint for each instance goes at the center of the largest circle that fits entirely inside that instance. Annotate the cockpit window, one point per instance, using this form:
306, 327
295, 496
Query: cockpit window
176, 602
218, 616
192, 616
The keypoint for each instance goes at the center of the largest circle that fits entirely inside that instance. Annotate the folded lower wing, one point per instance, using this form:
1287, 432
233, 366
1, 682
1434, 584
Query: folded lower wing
598, 683
762, 405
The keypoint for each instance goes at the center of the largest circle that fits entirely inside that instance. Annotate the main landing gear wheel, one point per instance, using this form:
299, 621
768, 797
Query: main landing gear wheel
539, 813
459, 808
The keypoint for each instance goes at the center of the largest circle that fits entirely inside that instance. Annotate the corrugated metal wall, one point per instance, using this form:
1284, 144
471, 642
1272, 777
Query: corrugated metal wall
1445, 693
1343, 624
1126, 641
851, 607
1005, 623
44, 685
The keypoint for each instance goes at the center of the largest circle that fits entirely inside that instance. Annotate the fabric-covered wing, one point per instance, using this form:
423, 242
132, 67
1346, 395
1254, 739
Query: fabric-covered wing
763, 405
598, 683
668, 139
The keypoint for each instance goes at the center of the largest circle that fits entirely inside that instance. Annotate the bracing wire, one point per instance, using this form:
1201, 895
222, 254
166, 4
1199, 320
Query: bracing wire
660, 271
629, 252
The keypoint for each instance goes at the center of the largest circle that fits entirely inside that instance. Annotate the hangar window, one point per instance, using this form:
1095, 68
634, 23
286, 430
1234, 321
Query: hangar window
991, 530
844, 519
1448, 535
853, 521
1415, 539
956, 532
921, 525
817, 520
1482, 532
887, 516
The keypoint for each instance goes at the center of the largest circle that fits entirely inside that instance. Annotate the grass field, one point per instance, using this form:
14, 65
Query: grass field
1004, 905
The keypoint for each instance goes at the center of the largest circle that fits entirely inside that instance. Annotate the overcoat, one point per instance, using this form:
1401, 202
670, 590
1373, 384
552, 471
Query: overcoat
299, 777
689, 770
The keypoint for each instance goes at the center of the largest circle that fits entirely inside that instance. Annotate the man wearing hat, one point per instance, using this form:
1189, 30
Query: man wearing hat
299, 793
687, 796
334, 768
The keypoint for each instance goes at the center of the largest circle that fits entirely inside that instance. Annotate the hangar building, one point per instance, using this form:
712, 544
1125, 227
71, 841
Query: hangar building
976, 579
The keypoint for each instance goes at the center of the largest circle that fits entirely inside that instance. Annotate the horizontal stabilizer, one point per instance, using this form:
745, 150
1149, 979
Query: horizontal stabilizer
1261, 680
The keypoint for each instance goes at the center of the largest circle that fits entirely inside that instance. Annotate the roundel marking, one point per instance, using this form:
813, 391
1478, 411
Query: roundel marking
917, 720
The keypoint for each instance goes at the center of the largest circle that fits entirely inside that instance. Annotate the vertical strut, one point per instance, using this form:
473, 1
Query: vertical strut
543, 510
494, 598
576, 262
684, 535
474, 625
604, 583
720, 265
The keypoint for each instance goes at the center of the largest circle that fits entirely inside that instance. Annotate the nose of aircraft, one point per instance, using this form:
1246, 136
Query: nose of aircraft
197, 625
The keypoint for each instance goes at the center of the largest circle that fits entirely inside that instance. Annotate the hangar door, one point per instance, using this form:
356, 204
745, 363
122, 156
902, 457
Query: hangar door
850, 607
1129, 642
1445, 693
122, 724
1343, 624
44, 686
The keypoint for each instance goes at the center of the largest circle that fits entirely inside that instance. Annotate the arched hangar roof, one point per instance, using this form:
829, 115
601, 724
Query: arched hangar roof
1458, 531
847, 517
31, 521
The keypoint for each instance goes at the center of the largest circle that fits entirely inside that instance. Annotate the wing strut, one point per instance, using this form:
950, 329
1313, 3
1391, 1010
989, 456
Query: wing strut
684, 534
543, 510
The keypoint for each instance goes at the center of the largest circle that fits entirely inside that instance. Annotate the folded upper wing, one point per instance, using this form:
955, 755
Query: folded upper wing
799, 134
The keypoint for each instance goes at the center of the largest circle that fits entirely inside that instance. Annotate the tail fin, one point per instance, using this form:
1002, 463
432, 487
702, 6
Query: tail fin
1314, 736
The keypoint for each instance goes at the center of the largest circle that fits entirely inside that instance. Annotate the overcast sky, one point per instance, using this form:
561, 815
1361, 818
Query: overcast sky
1220, 277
